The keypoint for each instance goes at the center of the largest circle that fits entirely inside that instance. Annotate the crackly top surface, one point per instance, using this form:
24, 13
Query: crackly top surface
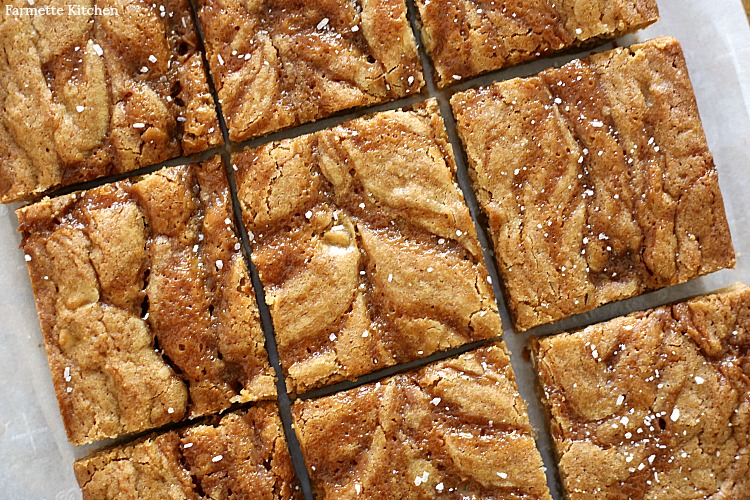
454, 429
145, 303
280, 63
469, 37
86, 96
243, 455
596, 179
655, 404
365, 246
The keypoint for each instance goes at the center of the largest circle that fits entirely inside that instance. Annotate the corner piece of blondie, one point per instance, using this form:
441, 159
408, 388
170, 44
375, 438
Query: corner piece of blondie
468, 37
242, 454
85, 96
654, 404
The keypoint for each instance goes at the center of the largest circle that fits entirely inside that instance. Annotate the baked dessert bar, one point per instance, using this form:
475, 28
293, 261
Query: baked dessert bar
365, 246
145, 303
281, 63
454, 429
469, 37
654, 404
83, 96
596, 179
240, 455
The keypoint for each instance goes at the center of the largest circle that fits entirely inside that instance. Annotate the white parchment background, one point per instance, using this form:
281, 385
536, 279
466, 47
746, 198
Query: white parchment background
35, 457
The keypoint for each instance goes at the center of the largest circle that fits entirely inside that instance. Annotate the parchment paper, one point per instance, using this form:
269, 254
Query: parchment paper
35, 457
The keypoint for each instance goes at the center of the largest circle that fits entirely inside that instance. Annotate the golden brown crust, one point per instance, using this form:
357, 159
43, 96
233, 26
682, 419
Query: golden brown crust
86, 96
469, 37
654, 404
281, 63
599, 184
456, 428
365, 246
244, 455
145, 303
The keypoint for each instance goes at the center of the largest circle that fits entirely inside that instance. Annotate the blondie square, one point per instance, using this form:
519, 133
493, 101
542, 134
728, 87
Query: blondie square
146, 307
241, 455
281, 63
469, 37
83, 96
365, 246
454, 429
596, 179
654, 404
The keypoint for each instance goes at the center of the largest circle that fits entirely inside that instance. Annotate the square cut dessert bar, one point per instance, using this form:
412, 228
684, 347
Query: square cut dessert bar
596, 179
654, 404
469, 37
456, 428
146, 307
281, 63
365, 246
242, 454
86, 96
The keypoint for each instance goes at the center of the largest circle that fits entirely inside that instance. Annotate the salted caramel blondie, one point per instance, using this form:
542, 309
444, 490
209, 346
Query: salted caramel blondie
365, 246
83, 96
240, 455
454, 429
146, 307
281, 63
596, 179
654, 404
469, 37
